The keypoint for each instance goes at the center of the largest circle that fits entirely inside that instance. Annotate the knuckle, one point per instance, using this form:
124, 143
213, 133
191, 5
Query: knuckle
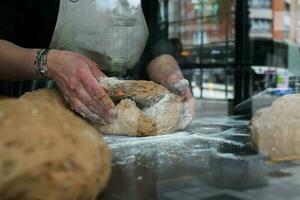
73, 85
80, 69
79, 93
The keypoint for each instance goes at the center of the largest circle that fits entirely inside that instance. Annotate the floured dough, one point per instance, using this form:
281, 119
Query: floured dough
275, 130
48, 153
143, 108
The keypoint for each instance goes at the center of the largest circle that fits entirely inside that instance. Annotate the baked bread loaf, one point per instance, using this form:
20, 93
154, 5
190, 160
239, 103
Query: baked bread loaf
275, 130
143, 108
48, 153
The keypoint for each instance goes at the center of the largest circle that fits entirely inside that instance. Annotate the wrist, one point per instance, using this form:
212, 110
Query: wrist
55, 63
30, 57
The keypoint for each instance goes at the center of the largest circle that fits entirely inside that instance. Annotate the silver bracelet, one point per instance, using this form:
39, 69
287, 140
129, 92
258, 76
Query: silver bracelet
41, 62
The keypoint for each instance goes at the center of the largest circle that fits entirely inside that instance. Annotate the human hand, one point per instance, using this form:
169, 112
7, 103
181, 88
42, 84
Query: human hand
76, 76
165, 70
181, 87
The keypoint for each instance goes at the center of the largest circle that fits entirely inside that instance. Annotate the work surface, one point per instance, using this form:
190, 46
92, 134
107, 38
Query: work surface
210, 160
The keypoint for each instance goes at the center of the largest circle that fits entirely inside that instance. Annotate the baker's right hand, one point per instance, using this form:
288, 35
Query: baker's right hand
76, 76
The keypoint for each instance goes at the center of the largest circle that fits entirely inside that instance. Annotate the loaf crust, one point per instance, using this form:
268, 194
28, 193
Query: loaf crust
47, 152
275, 130
144, 108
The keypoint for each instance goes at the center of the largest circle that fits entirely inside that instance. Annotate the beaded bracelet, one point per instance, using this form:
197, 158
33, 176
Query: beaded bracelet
41, 62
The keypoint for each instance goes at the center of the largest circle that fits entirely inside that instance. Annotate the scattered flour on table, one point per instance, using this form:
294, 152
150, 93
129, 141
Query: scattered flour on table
202, 138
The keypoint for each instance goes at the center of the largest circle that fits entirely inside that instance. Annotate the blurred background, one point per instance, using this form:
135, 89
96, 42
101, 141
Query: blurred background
231, 50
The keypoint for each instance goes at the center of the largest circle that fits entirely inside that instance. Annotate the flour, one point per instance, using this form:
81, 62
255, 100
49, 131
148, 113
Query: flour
201, 139
227, 155
108, 82
160, 106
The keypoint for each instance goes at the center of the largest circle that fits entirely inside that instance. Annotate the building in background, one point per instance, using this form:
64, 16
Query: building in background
274, 48
206, 31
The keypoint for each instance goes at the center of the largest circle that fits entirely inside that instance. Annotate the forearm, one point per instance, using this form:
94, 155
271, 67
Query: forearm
16, 63
164, 70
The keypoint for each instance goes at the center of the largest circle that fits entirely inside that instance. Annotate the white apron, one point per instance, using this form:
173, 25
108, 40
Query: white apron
113, 33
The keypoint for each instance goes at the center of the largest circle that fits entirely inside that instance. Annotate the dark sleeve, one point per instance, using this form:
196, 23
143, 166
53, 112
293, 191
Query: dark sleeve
28, 23
157, 43
11, 24
44, 24
12, 15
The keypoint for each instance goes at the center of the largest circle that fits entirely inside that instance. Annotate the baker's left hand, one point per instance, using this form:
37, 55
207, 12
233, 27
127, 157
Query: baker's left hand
165, 70
181, 88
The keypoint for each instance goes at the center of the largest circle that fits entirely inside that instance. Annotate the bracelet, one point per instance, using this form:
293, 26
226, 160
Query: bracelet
41, 62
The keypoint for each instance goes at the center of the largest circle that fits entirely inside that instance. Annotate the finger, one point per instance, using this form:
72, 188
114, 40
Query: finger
96, 70
76, 104
94, 89
64, 91
190, 101
83, 110
93, 105
192, 106
186, 117
187, 114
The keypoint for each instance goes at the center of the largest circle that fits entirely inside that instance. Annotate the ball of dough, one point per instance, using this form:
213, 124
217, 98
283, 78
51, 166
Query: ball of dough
143, 108
275, 130
48, 153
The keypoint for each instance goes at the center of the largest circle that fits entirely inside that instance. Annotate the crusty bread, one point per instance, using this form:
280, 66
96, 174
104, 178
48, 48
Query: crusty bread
48, 153
143, 108
275, 130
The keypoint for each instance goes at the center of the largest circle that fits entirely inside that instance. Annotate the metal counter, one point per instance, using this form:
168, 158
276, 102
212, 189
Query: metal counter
211, 160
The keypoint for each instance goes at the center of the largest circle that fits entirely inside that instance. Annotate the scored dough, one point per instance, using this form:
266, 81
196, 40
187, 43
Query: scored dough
48, 153
143, 108
275, 130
